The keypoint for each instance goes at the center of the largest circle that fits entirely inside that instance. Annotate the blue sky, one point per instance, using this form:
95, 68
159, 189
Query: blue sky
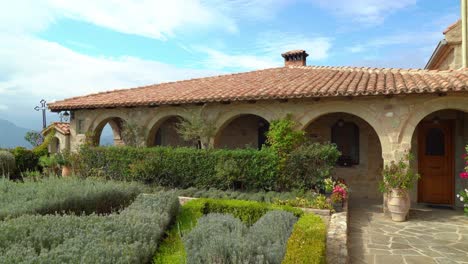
55, 49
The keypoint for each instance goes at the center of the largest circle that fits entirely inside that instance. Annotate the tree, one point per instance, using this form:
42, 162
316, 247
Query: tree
34, 138
132, 134
197, 128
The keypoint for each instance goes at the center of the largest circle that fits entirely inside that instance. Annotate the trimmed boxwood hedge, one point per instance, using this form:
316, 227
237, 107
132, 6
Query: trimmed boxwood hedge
172, 248
183, 167
307, 243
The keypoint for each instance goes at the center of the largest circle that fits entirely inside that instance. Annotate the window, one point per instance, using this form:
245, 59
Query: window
346, 137
80, 127
435, 142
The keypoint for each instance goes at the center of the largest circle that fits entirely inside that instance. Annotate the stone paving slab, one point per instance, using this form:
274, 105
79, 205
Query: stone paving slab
438, 236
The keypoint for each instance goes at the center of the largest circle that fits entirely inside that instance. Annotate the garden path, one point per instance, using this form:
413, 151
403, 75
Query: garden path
432, 235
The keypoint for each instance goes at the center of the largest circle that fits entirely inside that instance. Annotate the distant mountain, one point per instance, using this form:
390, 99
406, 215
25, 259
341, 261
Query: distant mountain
12, 135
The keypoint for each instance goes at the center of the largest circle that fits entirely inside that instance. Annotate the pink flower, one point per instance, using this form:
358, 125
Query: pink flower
340, 190
464, 175
464, 155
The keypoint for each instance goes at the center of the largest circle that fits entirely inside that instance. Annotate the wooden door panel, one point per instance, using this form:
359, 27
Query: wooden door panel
435, 159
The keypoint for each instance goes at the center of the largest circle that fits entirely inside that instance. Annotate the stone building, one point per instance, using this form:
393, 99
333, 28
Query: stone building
374, 115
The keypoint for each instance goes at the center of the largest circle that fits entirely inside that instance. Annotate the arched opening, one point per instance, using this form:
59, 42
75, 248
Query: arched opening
243, 131
361, 161
437, 144
54, 146
164, 133
109, 132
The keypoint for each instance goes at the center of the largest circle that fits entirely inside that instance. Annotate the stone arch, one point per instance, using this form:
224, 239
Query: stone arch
157, 120
255, 123
421, 111
345, 107
361, 160
116, 123
164, 133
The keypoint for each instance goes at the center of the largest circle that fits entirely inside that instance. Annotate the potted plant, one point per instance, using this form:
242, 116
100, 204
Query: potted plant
398, 179
63, 159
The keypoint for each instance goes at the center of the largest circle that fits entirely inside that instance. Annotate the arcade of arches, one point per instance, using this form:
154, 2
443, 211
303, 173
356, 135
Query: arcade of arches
370, 131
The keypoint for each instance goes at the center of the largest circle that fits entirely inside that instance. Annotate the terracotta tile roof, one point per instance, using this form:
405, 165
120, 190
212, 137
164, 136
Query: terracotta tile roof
62, 127
451, 26
277, 83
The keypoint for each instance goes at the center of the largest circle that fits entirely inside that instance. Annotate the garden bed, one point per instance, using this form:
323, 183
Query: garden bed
173, 248
130, 236
57, 195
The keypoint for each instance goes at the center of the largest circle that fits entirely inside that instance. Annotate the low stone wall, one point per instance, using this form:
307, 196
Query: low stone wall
337, 237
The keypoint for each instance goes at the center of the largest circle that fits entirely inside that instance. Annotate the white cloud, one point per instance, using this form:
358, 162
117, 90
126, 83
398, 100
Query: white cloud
365, 11
266, 51
35, 68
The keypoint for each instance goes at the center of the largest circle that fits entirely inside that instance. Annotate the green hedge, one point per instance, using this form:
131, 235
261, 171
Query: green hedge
183, 167
52, 195
128, 237
307, 243
172, 249
221, 238
26, 160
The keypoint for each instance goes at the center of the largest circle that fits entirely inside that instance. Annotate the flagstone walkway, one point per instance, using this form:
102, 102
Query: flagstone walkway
430, 236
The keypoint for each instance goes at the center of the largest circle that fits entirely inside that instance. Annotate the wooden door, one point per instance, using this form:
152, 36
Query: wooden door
435, 162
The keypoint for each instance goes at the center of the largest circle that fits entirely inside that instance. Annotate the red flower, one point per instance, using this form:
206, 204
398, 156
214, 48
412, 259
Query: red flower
340, 190
464, 175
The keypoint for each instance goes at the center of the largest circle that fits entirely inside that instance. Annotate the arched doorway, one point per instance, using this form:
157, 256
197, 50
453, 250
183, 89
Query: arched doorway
54, 145
109, 132
242, 131
361, 161
164, 133
438, 143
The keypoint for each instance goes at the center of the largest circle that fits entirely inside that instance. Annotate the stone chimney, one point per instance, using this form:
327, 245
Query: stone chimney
295, 58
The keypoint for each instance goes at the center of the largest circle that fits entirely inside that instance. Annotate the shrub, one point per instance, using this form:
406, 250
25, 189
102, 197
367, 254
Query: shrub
181, 167
53, 195
129, 237
43, 148
25, 159
7, 164
310, 164
217, 238
172, 249
220, 238
269, 235
307, 241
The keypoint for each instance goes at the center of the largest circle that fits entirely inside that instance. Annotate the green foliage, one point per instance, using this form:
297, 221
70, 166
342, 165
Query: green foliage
247, 211
132, 134
129, 237
307, 241
181, 167
283, 136
63, 158
258, 196
25, 159
398, 175
172, 249
220, 238
49, 164
53, 195
309, 164
7, 164
43, 148
319, 202
197, 128
34, 138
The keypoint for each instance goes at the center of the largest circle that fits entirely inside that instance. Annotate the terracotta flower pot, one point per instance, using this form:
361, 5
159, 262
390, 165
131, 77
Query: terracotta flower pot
66, 171
398, 204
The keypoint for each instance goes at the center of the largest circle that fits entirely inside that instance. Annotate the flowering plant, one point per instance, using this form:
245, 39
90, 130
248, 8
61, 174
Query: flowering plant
463, 195
340, 189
